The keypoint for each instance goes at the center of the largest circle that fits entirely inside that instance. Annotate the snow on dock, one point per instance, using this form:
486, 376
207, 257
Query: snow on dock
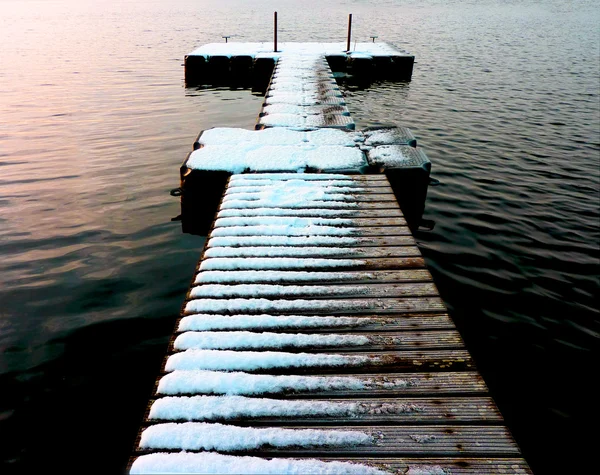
240, 62
301, 349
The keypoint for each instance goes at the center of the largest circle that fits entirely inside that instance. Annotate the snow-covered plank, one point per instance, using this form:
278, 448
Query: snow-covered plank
435, 384
311, 241
446, 440
265, 340
306, 264
313, 251
280, 362
310, 230
348, 411
314, 324
369, 179
338, 121
210, 462
389, 213
337, 187
349, 290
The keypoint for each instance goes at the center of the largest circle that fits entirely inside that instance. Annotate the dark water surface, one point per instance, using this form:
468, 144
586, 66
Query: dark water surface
95, 121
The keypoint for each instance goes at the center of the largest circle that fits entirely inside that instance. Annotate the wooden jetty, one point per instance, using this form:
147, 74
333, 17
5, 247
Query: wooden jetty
313, 338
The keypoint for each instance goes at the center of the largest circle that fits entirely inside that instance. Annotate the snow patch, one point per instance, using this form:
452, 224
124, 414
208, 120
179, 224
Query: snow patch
203, 322
218, 464
280, 251
216, 276
262, 263
246, 340
232, 383
236, 241
206, 436
270, 306
253, 360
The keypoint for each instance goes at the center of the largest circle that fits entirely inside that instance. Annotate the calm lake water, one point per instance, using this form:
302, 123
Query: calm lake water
95, 122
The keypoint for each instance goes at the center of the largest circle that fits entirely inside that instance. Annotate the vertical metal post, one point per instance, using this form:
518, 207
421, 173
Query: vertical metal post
275, 32
349, 31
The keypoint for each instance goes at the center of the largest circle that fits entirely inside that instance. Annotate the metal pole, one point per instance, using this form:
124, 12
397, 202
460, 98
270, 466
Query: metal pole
349, 31
275, 32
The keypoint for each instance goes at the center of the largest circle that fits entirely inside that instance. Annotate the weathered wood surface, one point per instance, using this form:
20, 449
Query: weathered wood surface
385, 411
405, 377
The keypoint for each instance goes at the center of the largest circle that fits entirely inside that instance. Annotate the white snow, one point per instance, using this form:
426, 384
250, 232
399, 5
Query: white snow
218, 464
304, 110
391, 136
234, 241
251, 340
270, 251
243, 157
206, 305
274, 290
212, 408
278, 276
234, 136
255, 186
310, 120
207, 436
427, 470
290, 176
287, 49
271, 263
218, 382
294, 221
282, 230
282, 263
252, 360
230, 407
288, 202
202, 322
390, 155
225, 213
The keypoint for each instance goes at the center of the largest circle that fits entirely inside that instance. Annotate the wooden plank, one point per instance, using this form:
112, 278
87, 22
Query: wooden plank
422, 384
318, 212
341, 221
315, 177
445, 466
329, 277
357, 241
391, 361
422, 289
391, 341
385, 411
367, 323
354, 205
451, 441
289, 251
314, 231
367, 189
330, 265
353, 197
316, 307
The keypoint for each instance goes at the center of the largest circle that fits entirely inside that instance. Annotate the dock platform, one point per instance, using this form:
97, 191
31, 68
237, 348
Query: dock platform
313, 338
313, 334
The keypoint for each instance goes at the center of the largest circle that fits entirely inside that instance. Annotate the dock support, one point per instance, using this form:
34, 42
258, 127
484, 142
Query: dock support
275, 32
349, 32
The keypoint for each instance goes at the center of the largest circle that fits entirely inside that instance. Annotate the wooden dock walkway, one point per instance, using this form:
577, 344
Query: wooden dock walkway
313, 340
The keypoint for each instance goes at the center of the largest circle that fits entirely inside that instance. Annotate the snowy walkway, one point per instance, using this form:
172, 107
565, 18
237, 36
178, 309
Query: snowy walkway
303, 94
313, 340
